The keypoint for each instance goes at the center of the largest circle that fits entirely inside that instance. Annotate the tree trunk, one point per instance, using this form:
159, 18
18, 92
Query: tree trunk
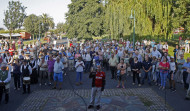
10, 33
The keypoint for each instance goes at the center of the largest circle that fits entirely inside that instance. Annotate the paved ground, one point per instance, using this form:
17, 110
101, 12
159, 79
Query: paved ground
148, 95
139, 99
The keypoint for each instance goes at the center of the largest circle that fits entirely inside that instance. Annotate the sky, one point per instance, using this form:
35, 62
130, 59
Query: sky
54, 8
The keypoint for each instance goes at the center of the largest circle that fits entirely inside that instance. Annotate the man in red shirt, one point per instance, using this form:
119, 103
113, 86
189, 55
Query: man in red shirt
11, 50
98, 83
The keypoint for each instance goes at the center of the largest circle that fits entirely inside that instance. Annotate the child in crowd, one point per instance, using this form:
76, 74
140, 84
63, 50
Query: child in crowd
154, 62
158, 72
172, 74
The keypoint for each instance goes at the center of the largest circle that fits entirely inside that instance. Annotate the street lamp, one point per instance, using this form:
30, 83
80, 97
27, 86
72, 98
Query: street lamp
131, 17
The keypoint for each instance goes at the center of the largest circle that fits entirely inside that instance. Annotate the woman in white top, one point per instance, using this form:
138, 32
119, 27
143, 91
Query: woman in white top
43, 71
172, 74
79, 69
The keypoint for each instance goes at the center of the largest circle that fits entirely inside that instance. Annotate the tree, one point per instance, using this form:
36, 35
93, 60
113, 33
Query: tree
31, 24
14, 16
85, 19
181, 15
47, 23
61, 27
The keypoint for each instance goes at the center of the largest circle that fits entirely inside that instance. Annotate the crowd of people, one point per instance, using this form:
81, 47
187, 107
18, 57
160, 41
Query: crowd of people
45, 64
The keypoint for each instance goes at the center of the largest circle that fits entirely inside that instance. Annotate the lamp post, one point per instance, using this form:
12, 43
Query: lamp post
131, 17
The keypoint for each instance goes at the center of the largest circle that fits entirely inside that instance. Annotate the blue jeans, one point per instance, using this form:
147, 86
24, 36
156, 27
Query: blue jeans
79, 77
158, 77
163, 77
87, 66
145, 75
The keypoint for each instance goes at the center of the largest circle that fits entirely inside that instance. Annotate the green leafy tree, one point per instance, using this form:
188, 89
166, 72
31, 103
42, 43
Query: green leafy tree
181, 15
14, 16
31, 24
85, 19
46, 23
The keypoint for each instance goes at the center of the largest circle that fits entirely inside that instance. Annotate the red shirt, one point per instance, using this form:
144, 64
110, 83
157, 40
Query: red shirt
164, 65
10, 51
98, 79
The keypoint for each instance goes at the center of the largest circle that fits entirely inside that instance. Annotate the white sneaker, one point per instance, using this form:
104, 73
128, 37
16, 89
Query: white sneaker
45, 84
40, 84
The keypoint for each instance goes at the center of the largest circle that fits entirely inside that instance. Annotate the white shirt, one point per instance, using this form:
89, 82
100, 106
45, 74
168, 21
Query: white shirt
88, 57
165, 46
32, 62
79, 68
42, 65
156, 53
172, 66
8, 59
8, 78
120, 53
29, 68
54, 42
58, 67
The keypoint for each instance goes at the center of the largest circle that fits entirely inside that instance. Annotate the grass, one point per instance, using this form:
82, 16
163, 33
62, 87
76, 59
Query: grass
31, 41
171, 53
146, 102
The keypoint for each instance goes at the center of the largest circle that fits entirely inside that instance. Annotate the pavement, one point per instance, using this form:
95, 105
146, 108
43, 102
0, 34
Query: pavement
134, 98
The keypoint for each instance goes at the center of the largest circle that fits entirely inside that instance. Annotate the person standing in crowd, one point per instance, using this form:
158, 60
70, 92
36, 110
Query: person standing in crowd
165, 46
11, 50
121, 67
96, 58
136, 54
101, 54
120, 53
186, 46
188, 81
65, 63
153, 71
136, 66
180, 52
164, 67
50, 64
43, 71
185, 66
113, 61
26, 71
98, 84
158, 81
172, 74
58, 73
5, 78
156, 53
77, 55
16, 74
175, 52
79, 69
146, 66
88, 60
33, 64
15, 56
70, 59
179, 73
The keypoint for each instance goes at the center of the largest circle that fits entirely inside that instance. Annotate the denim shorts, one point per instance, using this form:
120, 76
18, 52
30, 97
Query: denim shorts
58, 77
